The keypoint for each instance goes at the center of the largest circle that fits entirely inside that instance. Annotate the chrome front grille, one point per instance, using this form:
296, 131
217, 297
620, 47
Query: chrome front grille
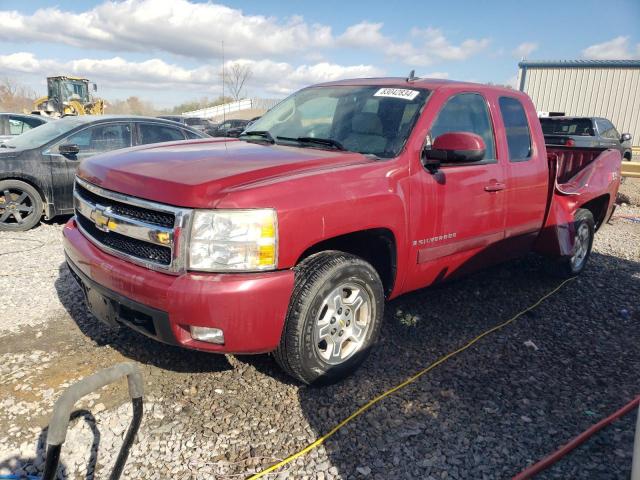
143, 232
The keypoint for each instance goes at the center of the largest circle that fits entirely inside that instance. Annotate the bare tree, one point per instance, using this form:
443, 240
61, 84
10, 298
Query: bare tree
15, 97
235, 77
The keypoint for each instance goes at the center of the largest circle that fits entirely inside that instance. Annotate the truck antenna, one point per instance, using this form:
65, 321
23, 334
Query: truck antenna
412, 76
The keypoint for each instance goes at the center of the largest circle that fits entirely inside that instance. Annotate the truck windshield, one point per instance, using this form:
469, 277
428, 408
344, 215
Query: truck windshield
567, 126
37, 137
366, 119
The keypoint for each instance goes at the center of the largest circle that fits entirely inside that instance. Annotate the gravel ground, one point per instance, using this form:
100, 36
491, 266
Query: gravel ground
487, 413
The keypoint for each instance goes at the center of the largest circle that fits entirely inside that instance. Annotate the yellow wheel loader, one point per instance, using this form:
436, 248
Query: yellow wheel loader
68, 96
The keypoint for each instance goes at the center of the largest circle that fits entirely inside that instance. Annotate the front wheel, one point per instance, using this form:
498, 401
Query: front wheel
20, 206
334, 317
583, 241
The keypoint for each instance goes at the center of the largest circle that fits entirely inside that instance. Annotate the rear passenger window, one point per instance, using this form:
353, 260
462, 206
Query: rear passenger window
18, 127
517, 129
466, 112
191, 135
154, 133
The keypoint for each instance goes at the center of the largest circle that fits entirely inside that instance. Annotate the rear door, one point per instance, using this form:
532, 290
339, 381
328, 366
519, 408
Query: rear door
527, 171
461, 207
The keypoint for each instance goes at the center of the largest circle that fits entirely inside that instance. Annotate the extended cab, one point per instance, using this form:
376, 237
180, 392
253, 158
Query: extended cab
290, 238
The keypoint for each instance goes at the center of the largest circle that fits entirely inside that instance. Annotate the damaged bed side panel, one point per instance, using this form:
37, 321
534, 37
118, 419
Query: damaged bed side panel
586, 178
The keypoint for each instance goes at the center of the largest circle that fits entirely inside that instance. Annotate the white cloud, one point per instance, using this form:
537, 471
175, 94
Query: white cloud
429, 45
268, 75
435, 45
615, 49
364, 35
177, 26
525, 49
196, 30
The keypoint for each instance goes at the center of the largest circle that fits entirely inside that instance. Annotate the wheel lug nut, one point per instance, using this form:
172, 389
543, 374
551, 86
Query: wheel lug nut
340, 311
333, 331
348, 322
333, 319
347, 311
341, 333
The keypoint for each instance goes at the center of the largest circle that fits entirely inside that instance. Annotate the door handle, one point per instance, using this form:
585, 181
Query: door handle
494, 187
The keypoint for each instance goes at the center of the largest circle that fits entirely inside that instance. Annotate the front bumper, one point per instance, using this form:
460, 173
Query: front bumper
250, 308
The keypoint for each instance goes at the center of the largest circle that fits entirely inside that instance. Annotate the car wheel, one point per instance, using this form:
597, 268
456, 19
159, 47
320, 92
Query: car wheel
20, 206
574, 264
334, 317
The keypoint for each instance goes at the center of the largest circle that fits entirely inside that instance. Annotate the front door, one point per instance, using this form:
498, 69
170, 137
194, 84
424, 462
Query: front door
461, 207
90, 141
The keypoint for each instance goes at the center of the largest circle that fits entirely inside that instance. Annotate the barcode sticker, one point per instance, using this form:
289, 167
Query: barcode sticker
403, 93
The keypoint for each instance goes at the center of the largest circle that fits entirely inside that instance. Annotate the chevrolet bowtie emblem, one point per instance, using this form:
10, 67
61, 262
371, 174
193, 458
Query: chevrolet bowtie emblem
100, 216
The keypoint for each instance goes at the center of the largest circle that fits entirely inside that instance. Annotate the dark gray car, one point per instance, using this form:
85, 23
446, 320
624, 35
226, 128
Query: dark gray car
590, 132
37, 168
13, 124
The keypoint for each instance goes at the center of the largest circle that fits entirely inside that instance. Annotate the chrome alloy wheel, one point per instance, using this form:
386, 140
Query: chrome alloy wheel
343, 323
580, 246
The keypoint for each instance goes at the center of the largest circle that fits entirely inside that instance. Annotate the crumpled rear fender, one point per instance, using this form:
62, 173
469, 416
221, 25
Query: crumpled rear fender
599, 179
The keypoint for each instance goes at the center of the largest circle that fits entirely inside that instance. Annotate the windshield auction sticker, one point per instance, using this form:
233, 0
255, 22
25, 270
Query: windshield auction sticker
397, 93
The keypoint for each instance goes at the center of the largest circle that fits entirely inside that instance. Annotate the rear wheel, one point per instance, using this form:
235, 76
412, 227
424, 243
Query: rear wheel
334, 317
583, 241
20, 206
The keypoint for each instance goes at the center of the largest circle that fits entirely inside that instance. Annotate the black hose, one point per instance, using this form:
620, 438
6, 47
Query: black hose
128, 439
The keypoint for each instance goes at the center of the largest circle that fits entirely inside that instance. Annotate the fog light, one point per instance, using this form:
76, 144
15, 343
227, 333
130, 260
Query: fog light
206, 334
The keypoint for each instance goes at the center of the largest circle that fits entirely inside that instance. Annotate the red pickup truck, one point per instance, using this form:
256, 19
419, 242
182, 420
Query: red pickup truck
290, 238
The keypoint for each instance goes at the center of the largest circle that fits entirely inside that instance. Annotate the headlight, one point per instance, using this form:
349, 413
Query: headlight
233, 240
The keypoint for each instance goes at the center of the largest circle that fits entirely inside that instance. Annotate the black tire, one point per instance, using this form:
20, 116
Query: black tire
566, 267
315, 279
20, 206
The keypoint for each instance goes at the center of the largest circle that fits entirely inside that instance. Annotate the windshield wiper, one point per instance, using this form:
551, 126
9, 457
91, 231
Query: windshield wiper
264, 134
327, 142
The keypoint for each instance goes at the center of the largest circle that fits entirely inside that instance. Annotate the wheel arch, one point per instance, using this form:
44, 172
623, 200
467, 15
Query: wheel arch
598, 207
376, 245
47, 206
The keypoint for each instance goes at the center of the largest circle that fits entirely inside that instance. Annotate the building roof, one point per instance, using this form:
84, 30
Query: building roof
580, 64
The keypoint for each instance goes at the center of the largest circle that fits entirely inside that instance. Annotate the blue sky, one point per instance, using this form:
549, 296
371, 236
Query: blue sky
169, 51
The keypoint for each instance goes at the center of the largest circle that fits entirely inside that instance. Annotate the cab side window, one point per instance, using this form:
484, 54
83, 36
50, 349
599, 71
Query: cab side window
466, 112
516, 128
607, 130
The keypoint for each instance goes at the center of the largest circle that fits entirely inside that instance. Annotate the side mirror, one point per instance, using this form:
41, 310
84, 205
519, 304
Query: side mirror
95, 87
625, 137
453, 147
69, 149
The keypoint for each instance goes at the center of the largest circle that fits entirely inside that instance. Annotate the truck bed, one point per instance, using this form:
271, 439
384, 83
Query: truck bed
571, 160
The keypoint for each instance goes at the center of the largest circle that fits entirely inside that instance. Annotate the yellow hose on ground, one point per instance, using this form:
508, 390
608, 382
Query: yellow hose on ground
408, 381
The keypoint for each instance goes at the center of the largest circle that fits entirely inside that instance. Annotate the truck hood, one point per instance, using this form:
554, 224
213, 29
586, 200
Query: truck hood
197, 174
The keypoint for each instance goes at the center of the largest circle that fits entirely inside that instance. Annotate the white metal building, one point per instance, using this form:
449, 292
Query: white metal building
592, 88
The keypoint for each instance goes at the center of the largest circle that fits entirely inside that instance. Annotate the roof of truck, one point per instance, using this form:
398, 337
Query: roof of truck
428, 83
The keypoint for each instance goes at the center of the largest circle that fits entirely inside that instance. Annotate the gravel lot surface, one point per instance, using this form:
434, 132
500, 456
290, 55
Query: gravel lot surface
488, 413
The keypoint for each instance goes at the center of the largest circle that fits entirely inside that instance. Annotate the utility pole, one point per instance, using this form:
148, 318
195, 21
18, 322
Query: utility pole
224, 116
